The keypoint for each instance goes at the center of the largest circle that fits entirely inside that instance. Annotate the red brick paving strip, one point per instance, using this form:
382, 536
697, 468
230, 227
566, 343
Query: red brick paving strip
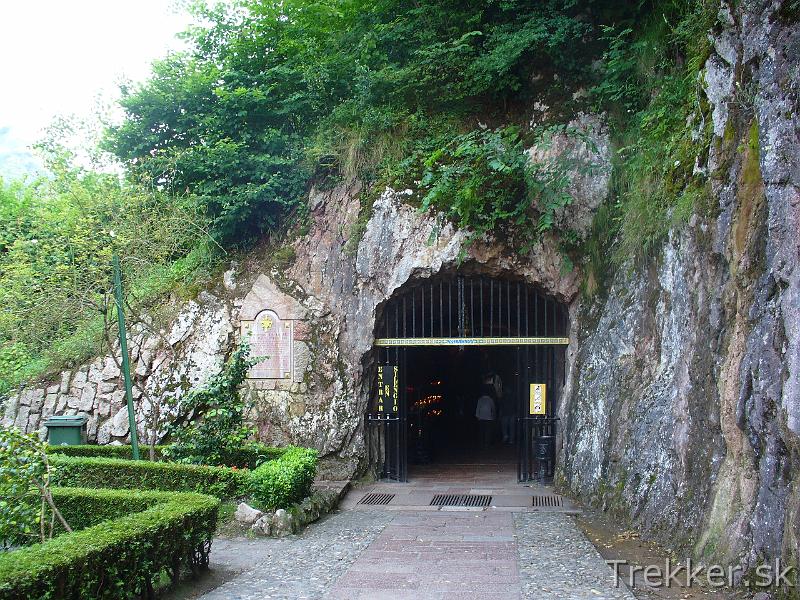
437, 556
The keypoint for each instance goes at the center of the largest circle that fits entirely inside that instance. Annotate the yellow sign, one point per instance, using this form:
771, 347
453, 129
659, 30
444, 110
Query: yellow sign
388, 388
538, 399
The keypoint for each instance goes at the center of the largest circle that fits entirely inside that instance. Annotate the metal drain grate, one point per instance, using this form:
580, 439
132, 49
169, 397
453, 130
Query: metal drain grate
549, 501
460, 500
379, 499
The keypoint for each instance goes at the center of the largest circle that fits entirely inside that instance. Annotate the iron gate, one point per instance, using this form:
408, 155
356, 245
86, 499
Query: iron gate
463, 310
536, 434
388, 431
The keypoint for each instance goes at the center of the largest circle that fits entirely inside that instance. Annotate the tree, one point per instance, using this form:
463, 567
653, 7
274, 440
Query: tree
57, 237
269, 87
25, 473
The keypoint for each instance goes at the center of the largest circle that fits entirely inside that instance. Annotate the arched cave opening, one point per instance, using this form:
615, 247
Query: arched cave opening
442, 346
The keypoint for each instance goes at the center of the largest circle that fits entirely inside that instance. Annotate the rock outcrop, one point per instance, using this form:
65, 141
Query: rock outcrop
684, 400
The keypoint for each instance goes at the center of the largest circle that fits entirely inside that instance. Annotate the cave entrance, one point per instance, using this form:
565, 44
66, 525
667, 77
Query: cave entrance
444, 343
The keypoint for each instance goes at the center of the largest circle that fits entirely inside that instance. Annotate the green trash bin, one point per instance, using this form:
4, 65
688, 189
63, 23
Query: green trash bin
66, 430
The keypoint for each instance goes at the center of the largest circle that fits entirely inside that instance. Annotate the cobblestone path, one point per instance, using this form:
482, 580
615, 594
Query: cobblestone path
410, 549
297, 567
377, 554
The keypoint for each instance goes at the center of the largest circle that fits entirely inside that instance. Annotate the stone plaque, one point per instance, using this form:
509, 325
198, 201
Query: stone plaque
273, 339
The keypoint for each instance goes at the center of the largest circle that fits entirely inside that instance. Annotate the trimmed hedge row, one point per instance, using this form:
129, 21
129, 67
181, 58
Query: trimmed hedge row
275, 484
249, 456
114, 558
82, 510
105, 451
115, 473
281, 483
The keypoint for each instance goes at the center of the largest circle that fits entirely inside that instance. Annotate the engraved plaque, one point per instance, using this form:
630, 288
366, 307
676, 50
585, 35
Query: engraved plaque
271, 339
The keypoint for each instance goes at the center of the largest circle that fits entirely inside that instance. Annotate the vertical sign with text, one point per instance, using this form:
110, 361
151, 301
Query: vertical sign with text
388, 388
538, 399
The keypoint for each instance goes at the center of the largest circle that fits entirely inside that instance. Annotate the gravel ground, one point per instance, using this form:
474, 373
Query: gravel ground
296, 567
556, 561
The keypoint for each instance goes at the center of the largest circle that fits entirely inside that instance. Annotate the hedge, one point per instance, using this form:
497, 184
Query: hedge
105, 451
222, 482
115, 558
249, 456
82, 510
276, 483
282, 482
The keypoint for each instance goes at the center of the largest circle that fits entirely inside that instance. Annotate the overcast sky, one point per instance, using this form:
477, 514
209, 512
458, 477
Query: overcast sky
58, 56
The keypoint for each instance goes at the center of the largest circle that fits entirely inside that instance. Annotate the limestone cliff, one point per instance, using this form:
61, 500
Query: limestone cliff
685, 392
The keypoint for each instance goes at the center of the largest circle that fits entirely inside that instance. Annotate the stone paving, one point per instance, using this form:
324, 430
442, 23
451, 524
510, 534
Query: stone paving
297, 567
443, 555
557, 561
412, 550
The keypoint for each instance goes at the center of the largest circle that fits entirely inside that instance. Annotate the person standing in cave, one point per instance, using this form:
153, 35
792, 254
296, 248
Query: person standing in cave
503, 405
486, 413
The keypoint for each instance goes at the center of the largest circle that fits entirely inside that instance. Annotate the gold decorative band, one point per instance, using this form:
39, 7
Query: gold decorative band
474, 341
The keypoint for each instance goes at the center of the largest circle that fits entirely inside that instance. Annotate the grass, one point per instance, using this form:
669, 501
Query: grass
184, 279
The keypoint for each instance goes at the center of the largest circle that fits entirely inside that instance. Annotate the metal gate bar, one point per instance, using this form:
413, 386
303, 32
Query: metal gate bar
490, 312
485, 314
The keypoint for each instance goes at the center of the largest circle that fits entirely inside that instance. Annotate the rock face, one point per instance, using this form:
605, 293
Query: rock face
164, 365
681, 407
684, 400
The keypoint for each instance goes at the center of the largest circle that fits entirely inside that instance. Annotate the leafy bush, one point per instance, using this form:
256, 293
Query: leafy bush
282, 482
279, 482
218, 431
25, 475
221, 482
119, 557
252, 455
484, 181
248, 456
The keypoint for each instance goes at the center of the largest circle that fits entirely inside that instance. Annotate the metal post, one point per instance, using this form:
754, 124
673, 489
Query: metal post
123, 348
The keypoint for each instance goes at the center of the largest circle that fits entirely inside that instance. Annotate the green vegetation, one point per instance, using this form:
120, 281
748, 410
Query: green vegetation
248, 456
148, 535
271, 92
115, 473
27, 510
650, 83
106, 451
218, 431
484, 181
222, 142
84, 508
278, 482
56, 240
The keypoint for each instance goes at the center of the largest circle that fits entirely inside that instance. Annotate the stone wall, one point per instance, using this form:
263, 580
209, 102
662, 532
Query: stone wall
164, 365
